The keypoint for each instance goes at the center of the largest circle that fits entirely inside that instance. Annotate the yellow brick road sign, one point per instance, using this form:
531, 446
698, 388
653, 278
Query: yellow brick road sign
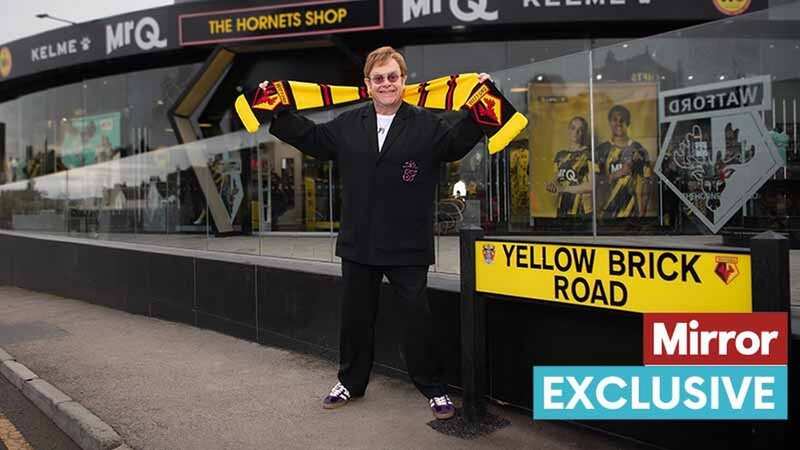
626, 279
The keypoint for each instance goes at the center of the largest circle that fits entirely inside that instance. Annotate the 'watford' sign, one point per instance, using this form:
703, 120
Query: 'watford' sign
626, 279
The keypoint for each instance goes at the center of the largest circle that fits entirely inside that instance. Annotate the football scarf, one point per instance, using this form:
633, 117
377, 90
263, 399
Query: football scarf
492, 112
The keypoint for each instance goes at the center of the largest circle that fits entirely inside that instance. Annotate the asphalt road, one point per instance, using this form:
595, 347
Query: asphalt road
19, 415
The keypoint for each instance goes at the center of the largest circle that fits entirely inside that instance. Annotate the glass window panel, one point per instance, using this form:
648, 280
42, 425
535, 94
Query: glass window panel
498, 191
221, 168
548, 170
37, 205
10, 150
150, 95
300, 198
699, 173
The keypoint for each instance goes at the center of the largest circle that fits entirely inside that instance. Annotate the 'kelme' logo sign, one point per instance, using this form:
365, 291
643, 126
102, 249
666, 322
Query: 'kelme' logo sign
58, 49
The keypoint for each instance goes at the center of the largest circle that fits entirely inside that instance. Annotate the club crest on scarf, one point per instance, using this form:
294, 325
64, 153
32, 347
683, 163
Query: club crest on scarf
486, 108
410, 171
270, 96
489, 110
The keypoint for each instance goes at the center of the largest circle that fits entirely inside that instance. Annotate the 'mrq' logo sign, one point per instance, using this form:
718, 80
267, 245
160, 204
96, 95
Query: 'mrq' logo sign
474, 10
145, 33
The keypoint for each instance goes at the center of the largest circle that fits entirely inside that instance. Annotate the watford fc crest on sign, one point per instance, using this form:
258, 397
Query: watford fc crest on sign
727, 268
488, 253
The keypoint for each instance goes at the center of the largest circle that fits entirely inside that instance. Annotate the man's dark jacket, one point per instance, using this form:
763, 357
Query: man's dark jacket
388, 196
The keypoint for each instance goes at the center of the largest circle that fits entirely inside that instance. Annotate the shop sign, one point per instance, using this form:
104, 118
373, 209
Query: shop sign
269, 22
470, 12
642, 280
145, 33
433, 13
717, 152
123, 35
57, 49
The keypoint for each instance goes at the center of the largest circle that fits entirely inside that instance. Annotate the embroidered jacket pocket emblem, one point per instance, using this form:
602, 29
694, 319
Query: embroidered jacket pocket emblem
410, 171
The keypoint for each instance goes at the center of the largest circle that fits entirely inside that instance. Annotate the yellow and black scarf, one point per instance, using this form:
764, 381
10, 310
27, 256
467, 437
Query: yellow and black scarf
492, 112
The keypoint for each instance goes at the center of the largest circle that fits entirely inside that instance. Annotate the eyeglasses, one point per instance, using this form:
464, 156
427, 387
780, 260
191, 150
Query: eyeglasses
392, 77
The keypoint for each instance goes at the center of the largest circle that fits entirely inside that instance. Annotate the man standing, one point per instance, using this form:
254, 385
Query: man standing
388, 154
625, 165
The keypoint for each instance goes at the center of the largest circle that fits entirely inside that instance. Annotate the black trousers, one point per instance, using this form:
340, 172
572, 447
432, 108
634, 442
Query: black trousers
357, 335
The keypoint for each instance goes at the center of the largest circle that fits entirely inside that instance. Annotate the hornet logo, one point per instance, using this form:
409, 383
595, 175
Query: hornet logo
474, 10
489, 110
727, 268
270, 96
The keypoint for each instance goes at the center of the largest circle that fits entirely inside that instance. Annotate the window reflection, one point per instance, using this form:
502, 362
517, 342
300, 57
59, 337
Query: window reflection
100, 158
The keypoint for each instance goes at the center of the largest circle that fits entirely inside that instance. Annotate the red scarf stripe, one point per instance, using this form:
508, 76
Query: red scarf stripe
423, 94
451, 90
327, 99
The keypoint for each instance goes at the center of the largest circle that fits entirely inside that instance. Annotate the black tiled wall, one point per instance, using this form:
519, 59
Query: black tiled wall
300, 311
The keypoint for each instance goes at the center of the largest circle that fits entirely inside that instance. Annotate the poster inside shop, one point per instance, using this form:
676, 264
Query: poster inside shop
626, 143
717, 151
85, 140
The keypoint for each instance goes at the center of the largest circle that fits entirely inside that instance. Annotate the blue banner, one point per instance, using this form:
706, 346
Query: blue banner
660, 392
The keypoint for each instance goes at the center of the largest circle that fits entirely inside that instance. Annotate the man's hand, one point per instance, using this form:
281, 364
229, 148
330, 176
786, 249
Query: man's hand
483, 76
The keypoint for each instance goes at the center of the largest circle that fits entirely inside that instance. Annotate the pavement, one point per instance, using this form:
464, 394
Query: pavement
164, 385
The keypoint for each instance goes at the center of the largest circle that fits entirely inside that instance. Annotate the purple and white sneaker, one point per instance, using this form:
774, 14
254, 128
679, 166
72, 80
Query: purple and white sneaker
442, 407
338, 396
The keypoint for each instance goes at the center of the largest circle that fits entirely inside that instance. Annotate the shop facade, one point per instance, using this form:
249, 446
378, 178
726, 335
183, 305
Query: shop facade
127, 180
123, 128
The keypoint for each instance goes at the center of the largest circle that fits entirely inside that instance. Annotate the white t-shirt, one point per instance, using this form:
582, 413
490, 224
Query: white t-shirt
384, 122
